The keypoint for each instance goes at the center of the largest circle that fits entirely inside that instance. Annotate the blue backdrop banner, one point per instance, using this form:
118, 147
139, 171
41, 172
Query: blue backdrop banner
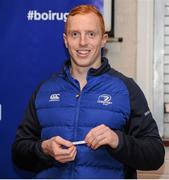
31, 49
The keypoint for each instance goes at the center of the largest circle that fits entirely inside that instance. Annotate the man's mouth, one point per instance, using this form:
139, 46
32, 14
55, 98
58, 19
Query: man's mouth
83, 53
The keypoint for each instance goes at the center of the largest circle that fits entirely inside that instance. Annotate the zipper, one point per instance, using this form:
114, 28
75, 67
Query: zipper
78, 97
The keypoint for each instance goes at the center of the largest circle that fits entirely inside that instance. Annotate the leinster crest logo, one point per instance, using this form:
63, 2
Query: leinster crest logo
104, 99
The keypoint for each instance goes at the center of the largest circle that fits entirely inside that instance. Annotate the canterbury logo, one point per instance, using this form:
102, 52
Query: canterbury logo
104, 99
54, 97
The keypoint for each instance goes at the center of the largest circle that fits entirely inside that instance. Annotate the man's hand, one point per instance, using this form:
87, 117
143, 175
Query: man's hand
60, 149
102, 135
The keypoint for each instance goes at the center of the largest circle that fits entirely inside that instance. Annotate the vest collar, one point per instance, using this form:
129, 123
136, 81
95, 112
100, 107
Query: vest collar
105, 66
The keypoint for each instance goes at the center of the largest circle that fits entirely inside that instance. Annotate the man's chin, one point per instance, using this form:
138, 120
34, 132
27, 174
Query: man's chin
82, 62
83, 65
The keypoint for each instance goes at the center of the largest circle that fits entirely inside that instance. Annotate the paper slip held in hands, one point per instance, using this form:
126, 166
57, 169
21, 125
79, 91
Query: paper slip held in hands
78, 142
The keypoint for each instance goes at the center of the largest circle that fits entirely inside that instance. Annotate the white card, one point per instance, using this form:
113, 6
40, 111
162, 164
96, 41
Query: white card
79, 142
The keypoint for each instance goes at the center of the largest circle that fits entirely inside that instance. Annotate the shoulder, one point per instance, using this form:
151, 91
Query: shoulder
131, 85
50, 82
136, 95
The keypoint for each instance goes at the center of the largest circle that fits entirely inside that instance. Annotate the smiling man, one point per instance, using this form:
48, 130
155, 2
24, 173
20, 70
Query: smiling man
84, 41
88, 121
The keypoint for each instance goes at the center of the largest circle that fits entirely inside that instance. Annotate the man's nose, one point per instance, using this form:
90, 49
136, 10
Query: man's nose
83, 40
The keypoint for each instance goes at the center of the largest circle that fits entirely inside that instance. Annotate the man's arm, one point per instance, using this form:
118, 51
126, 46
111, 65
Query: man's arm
26, 149
140, 146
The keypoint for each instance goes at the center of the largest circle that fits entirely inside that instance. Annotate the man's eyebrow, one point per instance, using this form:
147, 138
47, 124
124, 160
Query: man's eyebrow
73, 31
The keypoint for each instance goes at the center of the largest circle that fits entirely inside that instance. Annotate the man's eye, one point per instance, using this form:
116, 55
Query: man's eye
74, 34
91, 34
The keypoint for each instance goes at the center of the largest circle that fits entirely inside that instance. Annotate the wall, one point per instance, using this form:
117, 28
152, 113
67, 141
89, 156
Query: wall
122, 56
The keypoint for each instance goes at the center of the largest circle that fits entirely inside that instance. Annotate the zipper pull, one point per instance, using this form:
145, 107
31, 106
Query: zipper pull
77, 95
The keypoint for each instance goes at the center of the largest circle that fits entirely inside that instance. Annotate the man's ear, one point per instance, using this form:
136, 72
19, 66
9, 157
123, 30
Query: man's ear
104, 40
65, 40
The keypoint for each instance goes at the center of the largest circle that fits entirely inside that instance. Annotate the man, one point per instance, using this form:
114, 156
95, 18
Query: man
92, 103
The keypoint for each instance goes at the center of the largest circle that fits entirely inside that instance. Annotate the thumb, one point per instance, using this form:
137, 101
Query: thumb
59, 140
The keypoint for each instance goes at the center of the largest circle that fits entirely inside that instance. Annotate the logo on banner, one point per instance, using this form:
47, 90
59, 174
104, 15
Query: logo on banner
54, 97
34, 15
104, 99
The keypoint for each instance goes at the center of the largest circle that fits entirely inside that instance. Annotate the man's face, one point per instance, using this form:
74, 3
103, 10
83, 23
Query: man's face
84, 40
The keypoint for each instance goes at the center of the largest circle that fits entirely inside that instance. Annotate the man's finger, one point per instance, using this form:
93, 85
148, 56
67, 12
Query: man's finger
59, 140
64, 152
97, 131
